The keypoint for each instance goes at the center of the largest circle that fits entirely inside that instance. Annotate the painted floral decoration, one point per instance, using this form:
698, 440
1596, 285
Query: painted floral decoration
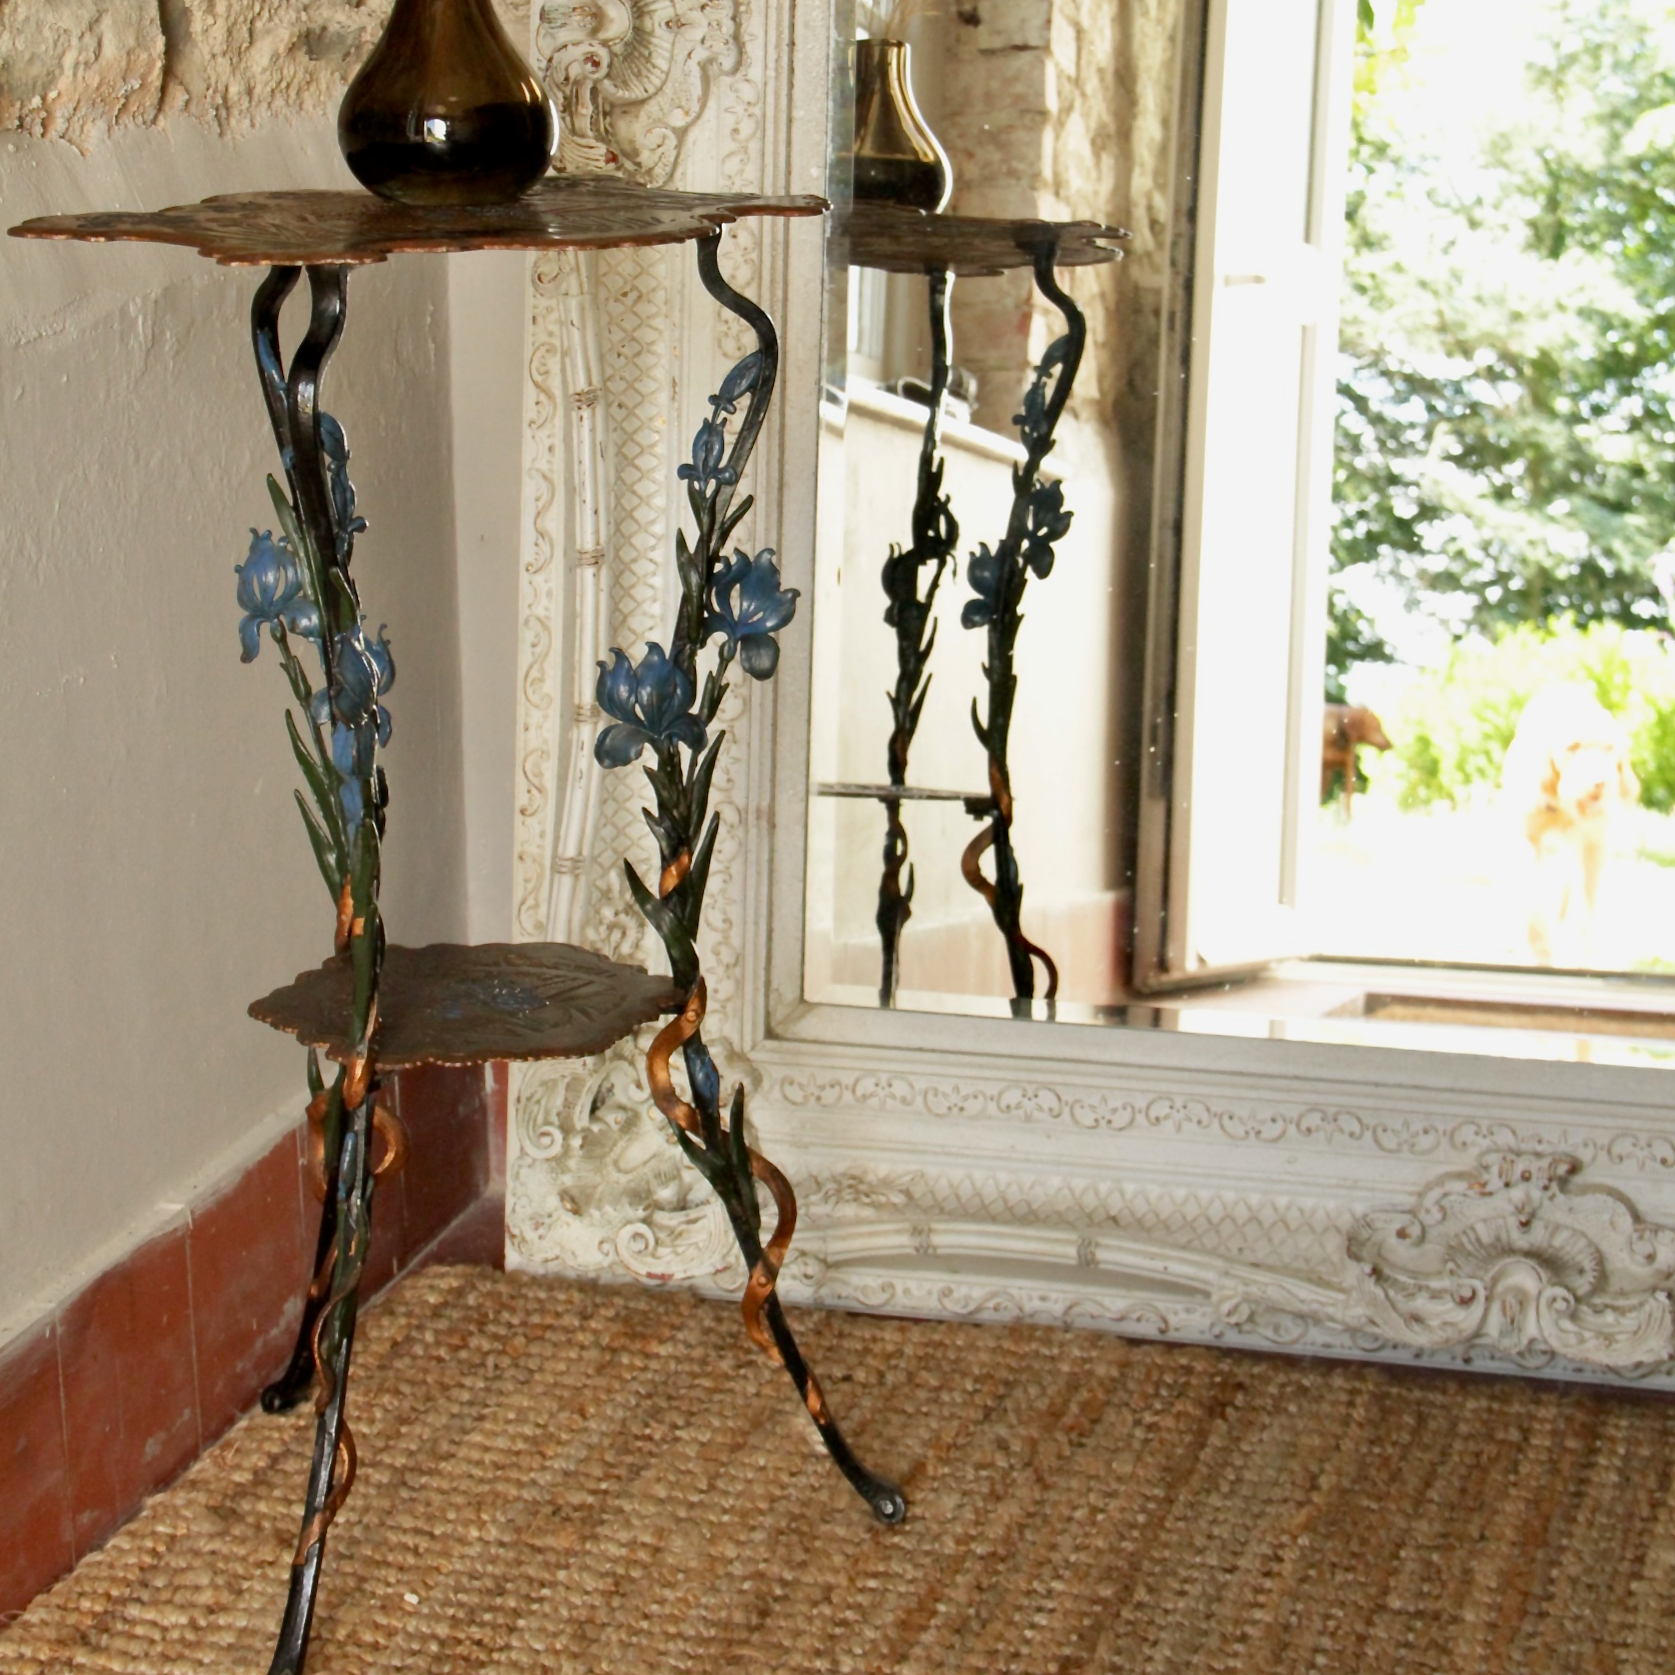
709, 450
983, 571
651, 704
364, 671
1048, 521
1032, 422
741, 379
335, 447
748, 607
272, 595
707, 467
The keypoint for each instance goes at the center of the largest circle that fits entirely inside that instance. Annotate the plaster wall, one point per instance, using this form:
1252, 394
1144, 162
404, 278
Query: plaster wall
487, 309
155, 876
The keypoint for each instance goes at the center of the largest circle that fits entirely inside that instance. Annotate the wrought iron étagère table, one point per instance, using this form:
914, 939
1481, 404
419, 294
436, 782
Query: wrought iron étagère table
898, 239
374, 1008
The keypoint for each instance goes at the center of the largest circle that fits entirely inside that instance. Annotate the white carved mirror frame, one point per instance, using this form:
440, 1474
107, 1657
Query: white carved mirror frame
1347, 1200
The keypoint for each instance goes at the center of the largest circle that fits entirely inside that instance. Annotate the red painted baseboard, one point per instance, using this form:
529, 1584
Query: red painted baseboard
111, 1397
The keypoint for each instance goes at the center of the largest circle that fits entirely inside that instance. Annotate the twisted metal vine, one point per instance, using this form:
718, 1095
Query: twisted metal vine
659, 705
998, 580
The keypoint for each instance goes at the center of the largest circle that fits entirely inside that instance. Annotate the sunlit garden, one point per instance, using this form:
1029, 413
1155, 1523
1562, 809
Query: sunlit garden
1505, 485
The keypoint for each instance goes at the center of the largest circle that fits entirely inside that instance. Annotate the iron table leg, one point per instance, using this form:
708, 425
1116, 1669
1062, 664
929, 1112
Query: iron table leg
659, 705
1038, 519
301, 590
935, 535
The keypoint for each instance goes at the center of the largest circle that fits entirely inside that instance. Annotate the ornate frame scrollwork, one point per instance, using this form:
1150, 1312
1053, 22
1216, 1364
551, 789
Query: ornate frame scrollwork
630, 77
1512, 1255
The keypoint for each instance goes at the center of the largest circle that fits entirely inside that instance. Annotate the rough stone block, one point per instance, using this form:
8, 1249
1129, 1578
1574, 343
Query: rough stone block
1008, 25
1064, 41
1014, 82
71, 68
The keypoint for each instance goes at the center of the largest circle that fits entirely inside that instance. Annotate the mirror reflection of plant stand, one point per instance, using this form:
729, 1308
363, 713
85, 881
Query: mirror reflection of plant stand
374, 1008
898, 239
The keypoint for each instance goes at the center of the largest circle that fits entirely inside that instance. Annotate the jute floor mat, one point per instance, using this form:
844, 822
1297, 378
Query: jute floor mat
599, 1481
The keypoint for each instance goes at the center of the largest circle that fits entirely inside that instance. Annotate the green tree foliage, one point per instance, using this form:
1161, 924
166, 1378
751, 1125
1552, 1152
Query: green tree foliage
1351, 638
1504, 447
1452, 726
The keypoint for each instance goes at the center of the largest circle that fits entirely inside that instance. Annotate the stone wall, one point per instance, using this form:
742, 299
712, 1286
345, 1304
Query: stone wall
1067, 109
1062, 108
75, 69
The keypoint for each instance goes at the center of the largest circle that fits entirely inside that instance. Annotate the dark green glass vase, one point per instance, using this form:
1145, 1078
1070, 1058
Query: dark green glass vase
897, 158
444, 111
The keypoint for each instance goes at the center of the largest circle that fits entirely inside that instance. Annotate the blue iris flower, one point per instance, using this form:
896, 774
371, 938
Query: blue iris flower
651, 704
362, 672
1033, 420
352, 756
270, 590
335, 446
983, 572
738, 383
709, 448
1047, 522
749, 607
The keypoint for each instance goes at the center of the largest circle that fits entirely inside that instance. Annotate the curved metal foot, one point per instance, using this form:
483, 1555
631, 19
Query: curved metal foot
298, 1377
888, 1503
733, 1168
332, 1471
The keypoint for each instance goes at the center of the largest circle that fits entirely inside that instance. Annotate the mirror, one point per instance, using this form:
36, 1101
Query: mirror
1324, 718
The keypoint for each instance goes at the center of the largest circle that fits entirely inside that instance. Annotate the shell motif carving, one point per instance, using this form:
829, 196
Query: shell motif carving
629, 77
1511, 1255
602, 1184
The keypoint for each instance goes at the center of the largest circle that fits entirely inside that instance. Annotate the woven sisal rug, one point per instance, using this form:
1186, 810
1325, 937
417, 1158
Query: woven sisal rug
598, 1481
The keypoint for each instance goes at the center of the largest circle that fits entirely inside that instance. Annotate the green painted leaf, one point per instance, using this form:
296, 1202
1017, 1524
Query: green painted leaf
703, 771
325, 857
320, 782
739, 1148
666, 922
733, 519
698, 878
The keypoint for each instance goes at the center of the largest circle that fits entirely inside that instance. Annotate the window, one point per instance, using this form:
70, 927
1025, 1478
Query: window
1235, 682
1236, 669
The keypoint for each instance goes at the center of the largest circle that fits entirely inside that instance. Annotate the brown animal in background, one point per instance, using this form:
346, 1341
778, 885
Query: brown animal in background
1347, 726
1567, 776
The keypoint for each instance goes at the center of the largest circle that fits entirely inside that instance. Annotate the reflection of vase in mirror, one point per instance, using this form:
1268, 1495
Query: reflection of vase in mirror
897, 158
444, 111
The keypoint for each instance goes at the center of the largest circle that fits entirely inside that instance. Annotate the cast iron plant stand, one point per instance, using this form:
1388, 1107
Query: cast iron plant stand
898, 239
449, 1004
